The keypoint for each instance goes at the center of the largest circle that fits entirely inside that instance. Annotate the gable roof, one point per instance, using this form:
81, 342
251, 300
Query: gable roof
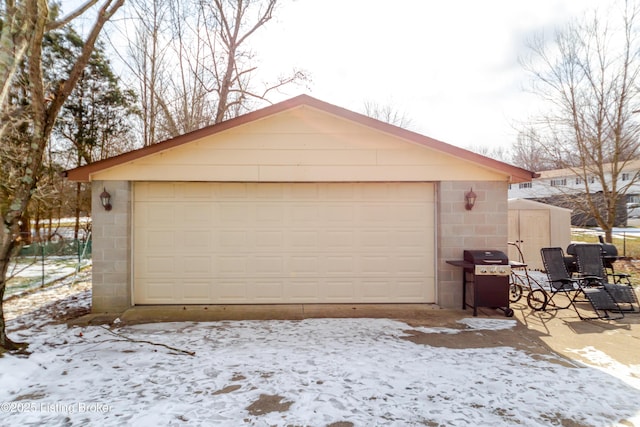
516, 174
518, 203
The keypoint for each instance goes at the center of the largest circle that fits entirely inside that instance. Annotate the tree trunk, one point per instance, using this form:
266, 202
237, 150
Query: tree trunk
608, 235
42, 117
5, 258
25, 229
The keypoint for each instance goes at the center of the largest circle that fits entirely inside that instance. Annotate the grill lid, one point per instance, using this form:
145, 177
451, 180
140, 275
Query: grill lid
486, 257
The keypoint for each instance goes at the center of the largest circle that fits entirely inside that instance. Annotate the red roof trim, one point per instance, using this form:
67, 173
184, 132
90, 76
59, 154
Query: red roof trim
83, 173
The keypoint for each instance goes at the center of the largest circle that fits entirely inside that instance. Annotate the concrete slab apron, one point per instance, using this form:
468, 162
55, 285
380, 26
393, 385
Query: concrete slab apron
566, 334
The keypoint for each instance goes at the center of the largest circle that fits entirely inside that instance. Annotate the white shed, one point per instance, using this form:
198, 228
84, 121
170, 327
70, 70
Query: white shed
537, 225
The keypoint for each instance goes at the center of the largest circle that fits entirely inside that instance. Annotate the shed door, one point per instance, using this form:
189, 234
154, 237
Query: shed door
251, 243
532, 228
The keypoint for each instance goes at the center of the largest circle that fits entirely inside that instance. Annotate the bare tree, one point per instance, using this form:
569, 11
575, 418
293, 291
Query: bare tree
236, 21
388, 114
146, 57
37, 118
526, 153
210, 75
588, 77
498, 152
20, 22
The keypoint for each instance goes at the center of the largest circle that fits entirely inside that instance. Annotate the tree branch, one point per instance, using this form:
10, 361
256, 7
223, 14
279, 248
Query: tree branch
73, 15
126, 338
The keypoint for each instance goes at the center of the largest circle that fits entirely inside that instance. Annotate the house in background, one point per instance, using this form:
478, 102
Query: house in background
560, 187
302, 202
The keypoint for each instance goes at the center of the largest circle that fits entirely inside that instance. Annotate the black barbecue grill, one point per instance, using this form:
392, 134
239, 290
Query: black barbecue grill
485, 280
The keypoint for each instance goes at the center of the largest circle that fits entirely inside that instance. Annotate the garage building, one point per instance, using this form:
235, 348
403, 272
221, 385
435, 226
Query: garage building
302, 202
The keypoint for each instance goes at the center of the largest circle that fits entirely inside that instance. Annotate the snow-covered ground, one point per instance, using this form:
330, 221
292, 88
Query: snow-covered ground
317, 372
29, 273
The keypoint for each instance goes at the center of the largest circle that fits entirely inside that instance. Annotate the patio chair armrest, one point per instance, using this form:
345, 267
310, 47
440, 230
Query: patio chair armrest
566, 280
621, 278
621, 275
590, 278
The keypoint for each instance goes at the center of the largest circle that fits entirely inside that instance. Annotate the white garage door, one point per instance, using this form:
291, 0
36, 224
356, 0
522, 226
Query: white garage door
254, 243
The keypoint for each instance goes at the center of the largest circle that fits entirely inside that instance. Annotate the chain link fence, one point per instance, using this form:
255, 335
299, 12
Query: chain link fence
58, 247
43, 263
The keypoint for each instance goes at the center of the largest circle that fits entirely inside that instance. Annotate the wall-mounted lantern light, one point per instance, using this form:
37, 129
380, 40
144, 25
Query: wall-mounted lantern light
469, 199
105, 199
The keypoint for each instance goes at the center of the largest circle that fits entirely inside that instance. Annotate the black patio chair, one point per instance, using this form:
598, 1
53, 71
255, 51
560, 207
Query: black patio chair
561, 282
592, 269
609, 257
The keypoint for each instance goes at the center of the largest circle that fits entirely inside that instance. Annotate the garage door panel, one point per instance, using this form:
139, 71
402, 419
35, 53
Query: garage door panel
232, 213
198, 265
229, 266
303, 265
269, 239
335, 214
337, 291
198, 241
411, 266
375, 290
159, 214
302, 214
158, 265
302, 291
375, 213
410, 289
276, 243
267, 291
374, 239
201, 213
196, 291
301, 240
337, 239
260, 266
229, 239
270, 213
375, 265
156, 291
160, 240
413, 239
339, 265
232, 291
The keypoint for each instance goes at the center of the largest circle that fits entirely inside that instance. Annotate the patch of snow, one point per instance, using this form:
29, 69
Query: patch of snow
471, 323
488, 324
437, 330
35, 275
359, 371
330, 370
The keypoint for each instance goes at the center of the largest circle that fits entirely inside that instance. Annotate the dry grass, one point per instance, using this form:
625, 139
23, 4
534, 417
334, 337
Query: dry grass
628, 247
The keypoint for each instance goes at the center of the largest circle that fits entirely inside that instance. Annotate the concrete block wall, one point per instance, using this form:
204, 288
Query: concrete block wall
111, 231
484, 227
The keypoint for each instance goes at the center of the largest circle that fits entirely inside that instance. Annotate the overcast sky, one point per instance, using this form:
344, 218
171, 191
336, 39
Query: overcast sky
451, 66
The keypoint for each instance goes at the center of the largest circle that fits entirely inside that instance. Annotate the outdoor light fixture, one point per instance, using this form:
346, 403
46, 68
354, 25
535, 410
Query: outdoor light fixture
469, 199
105, 199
